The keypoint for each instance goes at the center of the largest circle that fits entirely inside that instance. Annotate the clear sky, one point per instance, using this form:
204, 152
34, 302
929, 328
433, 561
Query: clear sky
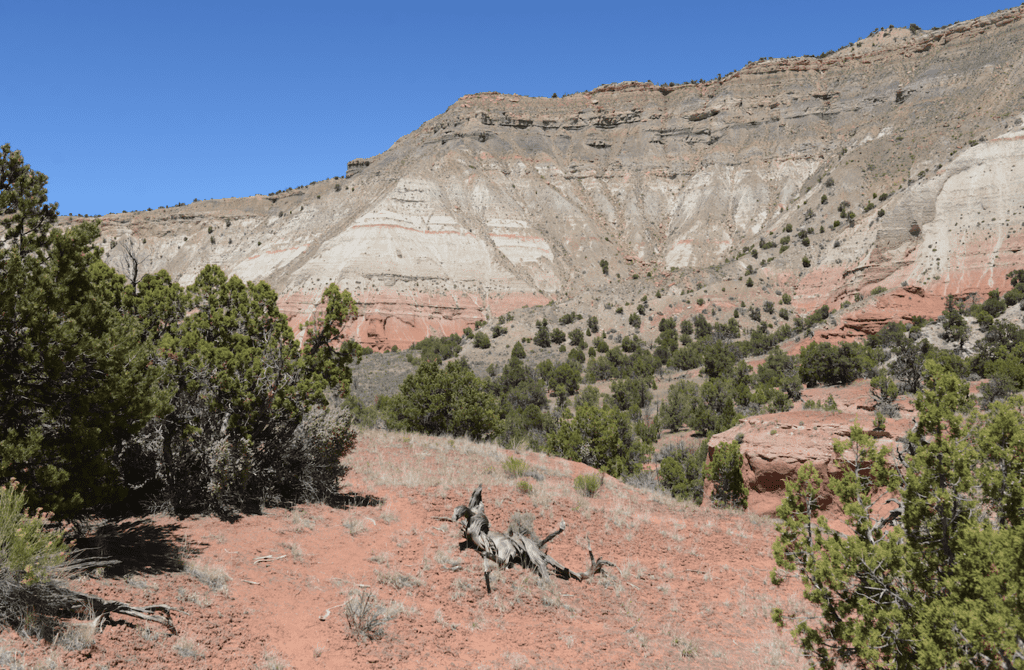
130, 105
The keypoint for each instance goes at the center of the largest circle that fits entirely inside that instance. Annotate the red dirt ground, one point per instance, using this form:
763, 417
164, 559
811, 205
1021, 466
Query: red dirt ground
690, 587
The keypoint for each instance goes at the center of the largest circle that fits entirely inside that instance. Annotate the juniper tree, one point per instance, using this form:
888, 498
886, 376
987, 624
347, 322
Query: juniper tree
74, 379
939, 580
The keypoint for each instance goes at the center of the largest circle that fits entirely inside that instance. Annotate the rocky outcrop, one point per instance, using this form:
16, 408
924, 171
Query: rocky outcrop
775, 446
504, 200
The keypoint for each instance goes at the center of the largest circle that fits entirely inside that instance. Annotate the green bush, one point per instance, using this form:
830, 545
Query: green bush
601, 437
724, 472
247, 424
438, 348
443, 401
524, 487
588, 485
824, 363
514, 467
481, 341
30, 551
681, 472
542, 338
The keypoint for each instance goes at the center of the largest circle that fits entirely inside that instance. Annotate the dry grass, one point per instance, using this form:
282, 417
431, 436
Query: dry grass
354, 525
271, 661
447, 560
295, 549
77, 635
397, 580
215, 577
187, 647
197, 599
10, 659
302, 521
367, 618
417, 461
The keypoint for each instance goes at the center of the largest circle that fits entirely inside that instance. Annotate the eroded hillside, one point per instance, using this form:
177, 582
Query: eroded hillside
505, 201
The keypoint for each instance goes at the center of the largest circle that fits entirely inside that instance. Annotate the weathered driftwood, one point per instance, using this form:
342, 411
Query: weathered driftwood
52, 599
160, 614
499, 550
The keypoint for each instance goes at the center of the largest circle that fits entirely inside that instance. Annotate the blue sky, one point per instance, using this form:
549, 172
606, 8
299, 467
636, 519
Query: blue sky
132, 105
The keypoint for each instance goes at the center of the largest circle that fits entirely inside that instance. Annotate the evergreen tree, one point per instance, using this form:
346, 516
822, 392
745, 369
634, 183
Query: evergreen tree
937, 582
74, 373
449, 400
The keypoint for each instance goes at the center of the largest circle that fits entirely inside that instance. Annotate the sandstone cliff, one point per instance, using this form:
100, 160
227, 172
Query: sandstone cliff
504, 201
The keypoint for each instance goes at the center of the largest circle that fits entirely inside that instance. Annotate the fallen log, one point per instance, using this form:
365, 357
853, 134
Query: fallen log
500, 550
19, 600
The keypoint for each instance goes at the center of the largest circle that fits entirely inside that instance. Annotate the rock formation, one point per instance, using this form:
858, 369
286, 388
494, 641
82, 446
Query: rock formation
504, 201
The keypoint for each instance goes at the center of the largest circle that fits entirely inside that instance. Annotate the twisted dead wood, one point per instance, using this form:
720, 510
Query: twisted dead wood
499, 550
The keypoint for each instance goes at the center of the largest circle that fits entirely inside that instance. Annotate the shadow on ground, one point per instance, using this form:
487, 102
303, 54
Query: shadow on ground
138, 546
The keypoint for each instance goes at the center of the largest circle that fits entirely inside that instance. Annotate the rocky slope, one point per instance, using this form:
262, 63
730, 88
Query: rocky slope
505, 201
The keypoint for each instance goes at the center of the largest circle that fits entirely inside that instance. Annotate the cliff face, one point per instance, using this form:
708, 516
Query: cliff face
505, 201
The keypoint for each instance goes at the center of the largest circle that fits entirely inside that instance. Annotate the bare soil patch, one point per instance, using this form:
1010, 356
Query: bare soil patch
690, 587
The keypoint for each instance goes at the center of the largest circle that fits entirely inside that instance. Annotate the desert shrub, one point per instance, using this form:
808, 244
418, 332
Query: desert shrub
514, 467
780, 371
542, 338
439, 401
524, 487
716, 412
518, 351
1006, 376
588, 485
993, 305
681, 472
885, 391
630, 393
576, 338
907, 364
567, 319
32, 551
438, 348
367, 618
823, 363
634, 320
601, 437
679, 407
76, 377
247, 424
724, 473
481, 341
955, 328
719, 357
